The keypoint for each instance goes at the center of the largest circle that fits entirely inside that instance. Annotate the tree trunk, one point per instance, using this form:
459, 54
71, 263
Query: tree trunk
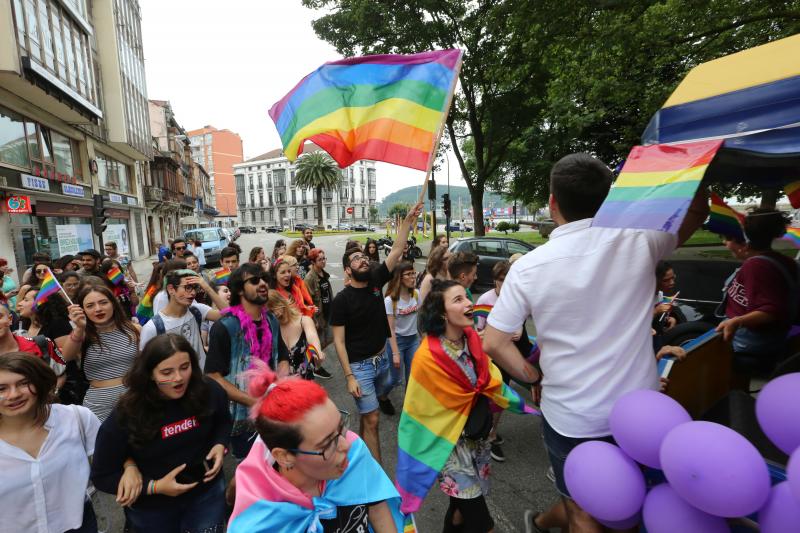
320, 223
476, 196
770, 198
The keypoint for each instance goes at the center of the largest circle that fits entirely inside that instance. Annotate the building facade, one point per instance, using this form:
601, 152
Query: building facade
73, 124
218, 151
267, 196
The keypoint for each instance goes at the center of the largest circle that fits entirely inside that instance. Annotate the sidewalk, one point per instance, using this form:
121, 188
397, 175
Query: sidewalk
143, 268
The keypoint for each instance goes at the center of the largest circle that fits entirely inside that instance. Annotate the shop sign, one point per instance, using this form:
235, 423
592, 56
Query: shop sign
72, 190
19, 204
118, 213
53, 209
132, 201
115, 198
50, 174
32, 182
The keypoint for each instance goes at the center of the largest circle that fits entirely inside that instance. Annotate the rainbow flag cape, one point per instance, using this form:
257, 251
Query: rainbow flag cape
792, 190
438, 400
656, 186
382, 107
724, 220
222, 276
115, 276
481, 311
47, 288
793, 236
267, 503
144, 311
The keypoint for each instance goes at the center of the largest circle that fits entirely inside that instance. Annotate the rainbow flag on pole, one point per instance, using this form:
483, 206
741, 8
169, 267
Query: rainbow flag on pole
222, 276
656, 186
382, 107
725, 220
793, 236
115, 276
144, 311
48, 287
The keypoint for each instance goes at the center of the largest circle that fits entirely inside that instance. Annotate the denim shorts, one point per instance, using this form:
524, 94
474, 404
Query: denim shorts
558, 447
374, 379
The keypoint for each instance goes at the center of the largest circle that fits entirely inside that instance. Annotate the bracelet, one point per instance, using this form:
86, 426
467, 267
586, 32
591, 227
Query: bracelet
128, 465
348, 375
150, 488
74, 339
155, 484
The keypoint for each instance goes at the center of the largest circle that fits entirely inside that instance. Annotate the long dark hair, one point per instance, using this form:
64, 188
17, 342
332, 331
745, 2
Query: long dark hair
141, 407
121, 321
372, 257
52, 311
396, 286
432, 313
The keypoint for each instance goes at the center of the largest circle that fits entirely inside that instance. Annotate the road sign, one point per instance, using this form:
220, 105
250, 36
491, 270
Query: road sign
350, 210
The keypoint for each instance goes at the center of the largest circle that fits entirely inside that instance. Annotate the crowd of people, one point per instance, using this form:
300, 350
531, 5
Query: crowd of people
140, 390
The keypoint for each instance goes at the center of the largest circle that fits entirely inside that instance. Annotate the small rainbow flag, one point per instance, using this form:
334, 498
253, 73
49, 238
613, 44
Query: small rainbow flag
144, 311
47, 288
381, 107
115, 275
222, 276
482, 311
724, 220
656, 186
792, 190
311, 353
793, 236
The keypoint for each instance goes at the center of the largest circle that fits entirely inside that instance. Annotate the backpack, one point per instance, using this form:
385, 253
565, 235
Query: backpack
159, 322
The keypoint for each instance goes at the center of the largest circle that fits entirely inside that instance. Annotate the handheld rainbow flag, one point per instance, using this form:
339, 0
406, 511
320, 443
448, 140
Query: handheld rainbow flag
144, 311
792, 190
115, 276
311, 353
383, 107
47, 288
793, 236
222, 276
481, 311
724, 220
656, 186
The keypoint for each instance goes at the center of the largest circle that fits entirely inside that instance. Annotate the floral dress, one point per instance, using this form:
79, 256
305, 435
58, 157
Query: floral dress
297, 358
466, 473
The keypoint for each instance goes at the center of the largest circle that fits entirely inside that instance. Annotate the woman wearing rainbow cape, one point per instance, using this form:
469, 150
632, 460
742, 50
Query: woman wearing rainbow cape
446, 419
307, 472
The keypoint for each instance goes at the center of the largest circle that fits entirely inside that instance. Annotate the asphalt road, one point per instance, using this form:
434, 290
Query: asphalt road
518, 483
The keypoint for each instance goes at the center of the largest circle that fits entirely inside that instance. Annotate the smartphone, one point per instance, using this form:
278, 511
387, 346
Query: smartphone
193, 472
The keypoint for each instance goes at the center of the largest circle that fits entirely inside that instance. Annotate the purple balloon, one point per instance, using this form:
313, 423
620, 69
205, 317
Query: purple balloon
715, 469
778, 411
641, 419
793, 473
635, 520
666, 512
604, 481
781, 512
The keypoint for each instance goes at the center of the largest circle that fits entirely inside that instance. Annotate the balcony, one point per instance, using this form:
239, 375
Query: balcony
153, 194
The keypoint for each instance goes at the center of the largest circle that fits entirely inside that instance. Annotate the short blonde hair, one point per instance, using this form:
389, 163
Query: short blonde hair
277, 301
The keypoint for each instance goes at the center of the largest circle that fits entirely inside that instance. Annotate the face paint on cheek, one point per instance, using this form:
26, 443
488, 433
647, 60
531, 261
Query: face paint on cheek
166, 382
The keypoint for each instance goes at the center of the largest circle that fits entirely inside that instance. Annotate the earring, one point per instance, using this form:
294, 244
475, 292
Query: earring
289, 466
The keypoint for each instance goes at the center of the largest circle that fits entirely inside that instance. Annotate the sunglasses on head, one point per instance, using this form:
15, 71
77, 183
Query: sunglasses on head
255, 280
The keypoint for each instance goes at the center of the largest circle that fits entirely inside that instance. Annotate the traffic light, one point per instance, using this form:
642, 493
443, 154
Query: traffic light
446, 205
99, 221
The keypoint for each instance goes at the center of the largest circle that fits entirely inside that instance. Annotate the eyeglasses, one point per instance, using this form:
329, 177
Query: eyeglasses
255, 280
358, 257
41, 271
410, 274
190, 288
330, 448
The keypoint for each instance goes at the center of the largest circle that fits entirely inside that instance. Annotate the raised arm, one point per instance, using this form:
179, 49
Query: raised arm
402, 237
697, 214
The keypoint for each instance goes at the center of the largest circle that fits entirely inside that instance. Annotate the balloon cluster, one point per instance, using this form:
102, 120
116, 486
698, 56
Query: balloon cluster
712, 472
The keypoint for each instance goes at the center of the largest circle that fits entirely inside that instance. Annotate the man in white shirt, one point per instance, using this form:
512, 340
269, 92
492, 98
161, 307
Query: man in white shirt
590, 293
182, 315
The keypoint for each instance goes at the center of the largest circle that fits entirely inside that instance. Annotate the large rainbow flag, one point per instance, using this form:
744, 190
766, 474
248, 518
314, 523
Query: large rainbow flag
382, 107
656, 186
792, 190
47, 288
438, 400
725, 220
144, 311
793, 236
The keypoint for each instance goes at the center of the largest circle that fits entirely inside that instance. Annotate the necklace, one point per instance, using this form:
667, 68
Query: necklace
459, 343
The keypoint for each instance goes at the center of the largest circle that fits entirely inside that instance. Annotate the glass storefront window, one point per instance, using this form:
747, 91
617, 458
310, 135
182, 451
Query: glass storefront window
13, 148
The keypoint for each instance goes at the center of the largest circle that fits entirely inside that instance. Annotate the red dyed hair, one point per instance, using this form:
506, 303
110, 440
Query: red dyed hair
288, 401
314, 254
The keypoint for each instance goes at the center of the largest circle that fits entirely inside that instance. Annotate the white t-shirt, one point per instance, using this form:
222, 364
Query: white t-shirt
590, 293
405, 314
47, 494
185, 326
487, 298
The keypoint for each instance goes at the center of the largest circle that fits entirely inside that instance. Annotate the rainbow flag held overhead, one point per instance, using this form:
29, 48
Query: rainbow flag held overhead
222, 276
438, 400
792, 190
656, 186
115, 275
381, 107
793, 236
144, 311
724, 220
47, 288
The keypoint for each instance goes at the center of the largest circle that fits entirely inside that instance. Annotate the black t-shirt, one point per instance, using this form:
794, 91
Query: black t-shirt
349, 519
56, 328
218, 358
363, 315
326, 294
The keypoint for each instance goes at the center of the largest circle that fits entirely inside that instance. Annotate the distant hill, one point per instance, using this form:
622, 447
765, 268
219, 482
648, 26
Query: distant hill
409, 195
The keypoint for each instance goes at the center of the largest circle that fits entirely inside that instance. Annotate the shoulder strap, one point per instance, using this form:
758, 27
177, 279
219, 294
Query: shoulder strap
158, 322
198, 316
43, 345
76, 410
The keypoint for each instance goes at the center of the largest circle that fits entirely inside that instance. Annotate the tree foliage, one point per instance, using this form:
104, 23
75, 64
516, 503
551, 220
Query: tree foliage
399, 210
316, 170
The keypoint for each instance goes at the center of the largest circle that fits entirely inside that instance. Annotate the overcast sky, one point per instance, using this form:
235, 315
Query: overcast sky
225, 63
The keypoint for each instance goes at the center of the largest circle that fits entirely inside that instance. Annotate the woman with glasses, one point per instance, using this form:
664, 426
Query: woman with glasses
401, 302
308, 472
173, 425
70, 281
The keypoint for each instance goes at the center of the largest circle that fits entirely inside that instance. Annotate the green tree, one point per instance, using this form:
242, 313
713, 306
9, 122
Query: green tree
316, 170
373, 214
399, 210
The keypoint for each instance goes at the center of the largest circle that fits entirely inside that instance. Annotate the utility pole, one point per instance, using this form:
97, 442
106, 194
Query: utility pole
432, 198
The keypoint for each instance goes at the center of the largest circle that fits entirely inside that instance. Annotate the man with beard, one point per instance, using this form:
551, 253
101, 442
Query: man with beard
90, 262
247, 330
360, 330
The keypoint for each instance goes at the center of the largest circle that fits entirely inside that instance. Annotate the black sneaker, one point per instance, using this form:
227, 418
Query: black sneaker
497, 453
498, 439
386, 407
321, 373
530, 522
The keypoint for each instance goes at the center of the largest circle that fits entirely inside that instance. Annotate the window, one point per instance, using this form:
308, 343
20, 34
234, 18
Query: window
516, 248
488, 248
252, 199
262, 215
261, 200
112, 174
13, 145
294, 196
328, 212
305, 213
63, 153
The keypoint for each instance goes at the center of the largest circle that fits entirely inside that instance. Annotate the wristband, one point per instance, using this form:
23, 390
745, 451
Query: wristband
127, 465
155, 484
348, 375
74, 338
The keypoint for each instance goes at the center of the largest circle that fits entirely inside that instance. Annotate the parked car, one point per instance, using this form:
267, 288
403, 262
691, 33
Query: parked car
490, 250
455, 226
360, 227
212, 239
248, 229
273, 229
302, 227
343, 227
